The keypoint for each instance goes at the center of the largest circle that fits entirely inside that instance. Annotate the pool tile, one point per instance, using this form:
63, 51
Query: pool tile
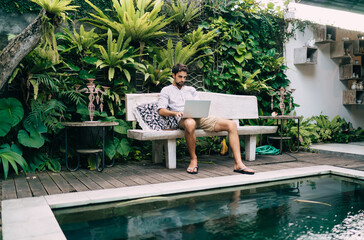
68, 199
28, 218
125, 193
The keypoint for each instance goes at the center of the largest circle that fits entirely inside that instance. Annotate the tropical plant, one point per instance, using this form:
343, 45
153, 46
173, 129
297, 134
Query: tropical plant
328, 129
321, 129
82, 42
308, 131
116, 57
243, 54
182, 13
120, 144
46, 113
249, 85
32, 136
199, 38
11, 113
179, 54
156, 74
251, 39
12, 155
41, 162
134, 18
56, 7
349, 133
55, 14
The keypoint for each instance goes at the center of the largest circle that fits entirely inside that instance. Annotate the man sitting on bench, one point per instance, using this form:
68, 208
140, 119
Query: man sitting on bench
171, 103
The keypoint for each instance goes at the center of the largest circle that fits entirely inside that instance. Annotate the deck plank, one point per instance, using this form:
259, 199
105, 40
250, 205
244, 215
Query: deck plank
35, 185
8, 189
123, 176
98, 177
146, 174
89, 183
75, 182
62, 183
113, 177
129, 175
49, 185
22, 187
162, 175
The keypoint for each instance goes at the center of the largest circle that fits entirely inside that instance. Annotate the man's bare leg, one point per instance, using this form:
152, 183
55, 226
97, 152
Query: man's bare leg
190, 127
230, 126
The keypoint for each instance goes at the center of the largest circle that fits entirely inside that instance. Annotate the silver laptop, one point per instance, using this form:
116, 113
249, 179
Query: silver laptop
196, 108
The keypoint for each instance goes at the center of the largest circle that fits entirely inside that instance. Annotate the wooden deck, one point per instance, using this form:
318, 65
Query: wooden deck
140, 173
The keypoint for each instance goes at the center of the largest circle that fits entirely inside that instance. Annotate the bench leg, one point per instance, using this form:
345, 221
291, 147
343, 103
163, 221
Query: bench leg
157, 150
250, 147
171, 153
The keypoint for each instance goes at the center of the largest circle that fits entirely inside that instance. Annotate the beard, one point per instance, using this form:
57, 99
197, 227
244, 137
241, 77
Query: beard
180, 84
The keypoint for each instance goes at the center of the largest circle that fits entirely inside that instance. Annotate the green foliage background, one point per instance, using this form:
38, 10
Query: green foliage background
26, 6
235, 45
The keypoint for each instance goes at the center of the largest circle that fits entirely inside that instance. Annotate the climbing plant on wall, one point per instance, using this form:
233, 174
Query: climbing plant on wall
248, 52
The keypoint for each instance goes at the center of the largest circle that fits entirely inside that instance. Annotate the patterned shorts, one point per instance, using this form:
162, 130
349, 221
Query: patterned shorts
207, 124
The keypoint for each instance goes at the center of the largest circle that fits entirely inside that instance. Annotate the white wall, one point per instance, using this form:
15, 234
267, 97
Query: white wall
318, 88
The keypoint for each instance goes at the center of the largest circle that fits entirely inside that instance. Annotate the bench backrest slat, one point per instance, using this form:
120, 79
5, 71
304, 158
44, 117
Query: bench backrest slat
222, 105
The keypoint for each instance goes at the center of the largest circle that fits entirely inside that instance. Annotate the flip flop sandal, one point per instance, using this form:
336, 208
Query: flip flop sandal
192, 170
244, 171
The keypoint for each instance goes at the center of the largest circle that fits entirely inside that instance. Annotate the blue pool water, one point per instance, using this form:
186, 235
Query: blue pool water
323, 207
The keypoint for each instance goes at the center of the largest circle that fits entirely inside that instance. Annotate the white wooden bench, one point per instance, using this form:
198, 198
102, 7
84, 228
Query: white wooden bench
232, 107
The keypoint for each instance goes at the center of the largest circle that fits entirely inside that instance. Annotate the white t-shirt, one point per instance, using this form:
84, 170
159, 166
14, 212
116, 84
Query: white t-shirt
173, 98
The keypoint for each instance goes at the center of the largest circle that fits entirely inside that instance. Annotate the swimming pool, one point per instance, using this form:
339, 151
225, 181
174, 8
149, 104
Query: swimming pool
321, 207
33, 218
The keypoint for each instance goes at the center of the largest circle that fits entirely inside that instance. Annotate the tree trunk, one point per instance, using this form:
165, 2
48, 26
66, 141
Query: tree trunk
18, 48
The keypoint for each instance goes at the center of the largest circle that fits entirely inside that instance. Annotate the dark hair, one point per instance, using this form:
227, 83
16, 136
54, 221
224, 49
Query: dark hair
179, 68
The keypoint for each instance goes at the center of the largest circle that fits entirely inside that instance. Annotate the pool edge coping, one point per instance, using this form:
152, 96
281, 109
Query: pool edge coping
36, 220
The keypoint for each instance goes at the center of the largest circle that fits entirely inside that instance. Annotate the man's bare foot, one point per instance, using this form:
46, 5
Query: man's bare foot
193, 167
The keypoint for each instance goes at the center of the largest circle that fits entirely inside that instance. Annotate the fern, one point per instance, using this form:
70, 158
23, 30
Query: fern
46, 80
73, 96
41, 162
46, 113
308, 132
327, 128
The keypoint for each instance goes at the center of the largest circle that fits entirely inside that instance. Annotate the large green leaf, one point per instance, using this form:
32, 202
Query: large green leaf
110, 149
123, 147
7, 156
15, 148
11, 108
38, 126
41, 162
5, 126
122, 127
85, 75
32, 139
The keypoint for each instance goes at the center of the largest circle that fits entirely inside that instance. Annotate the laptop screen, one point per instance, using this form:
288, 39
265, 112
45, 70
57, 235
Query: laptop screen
196, 108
